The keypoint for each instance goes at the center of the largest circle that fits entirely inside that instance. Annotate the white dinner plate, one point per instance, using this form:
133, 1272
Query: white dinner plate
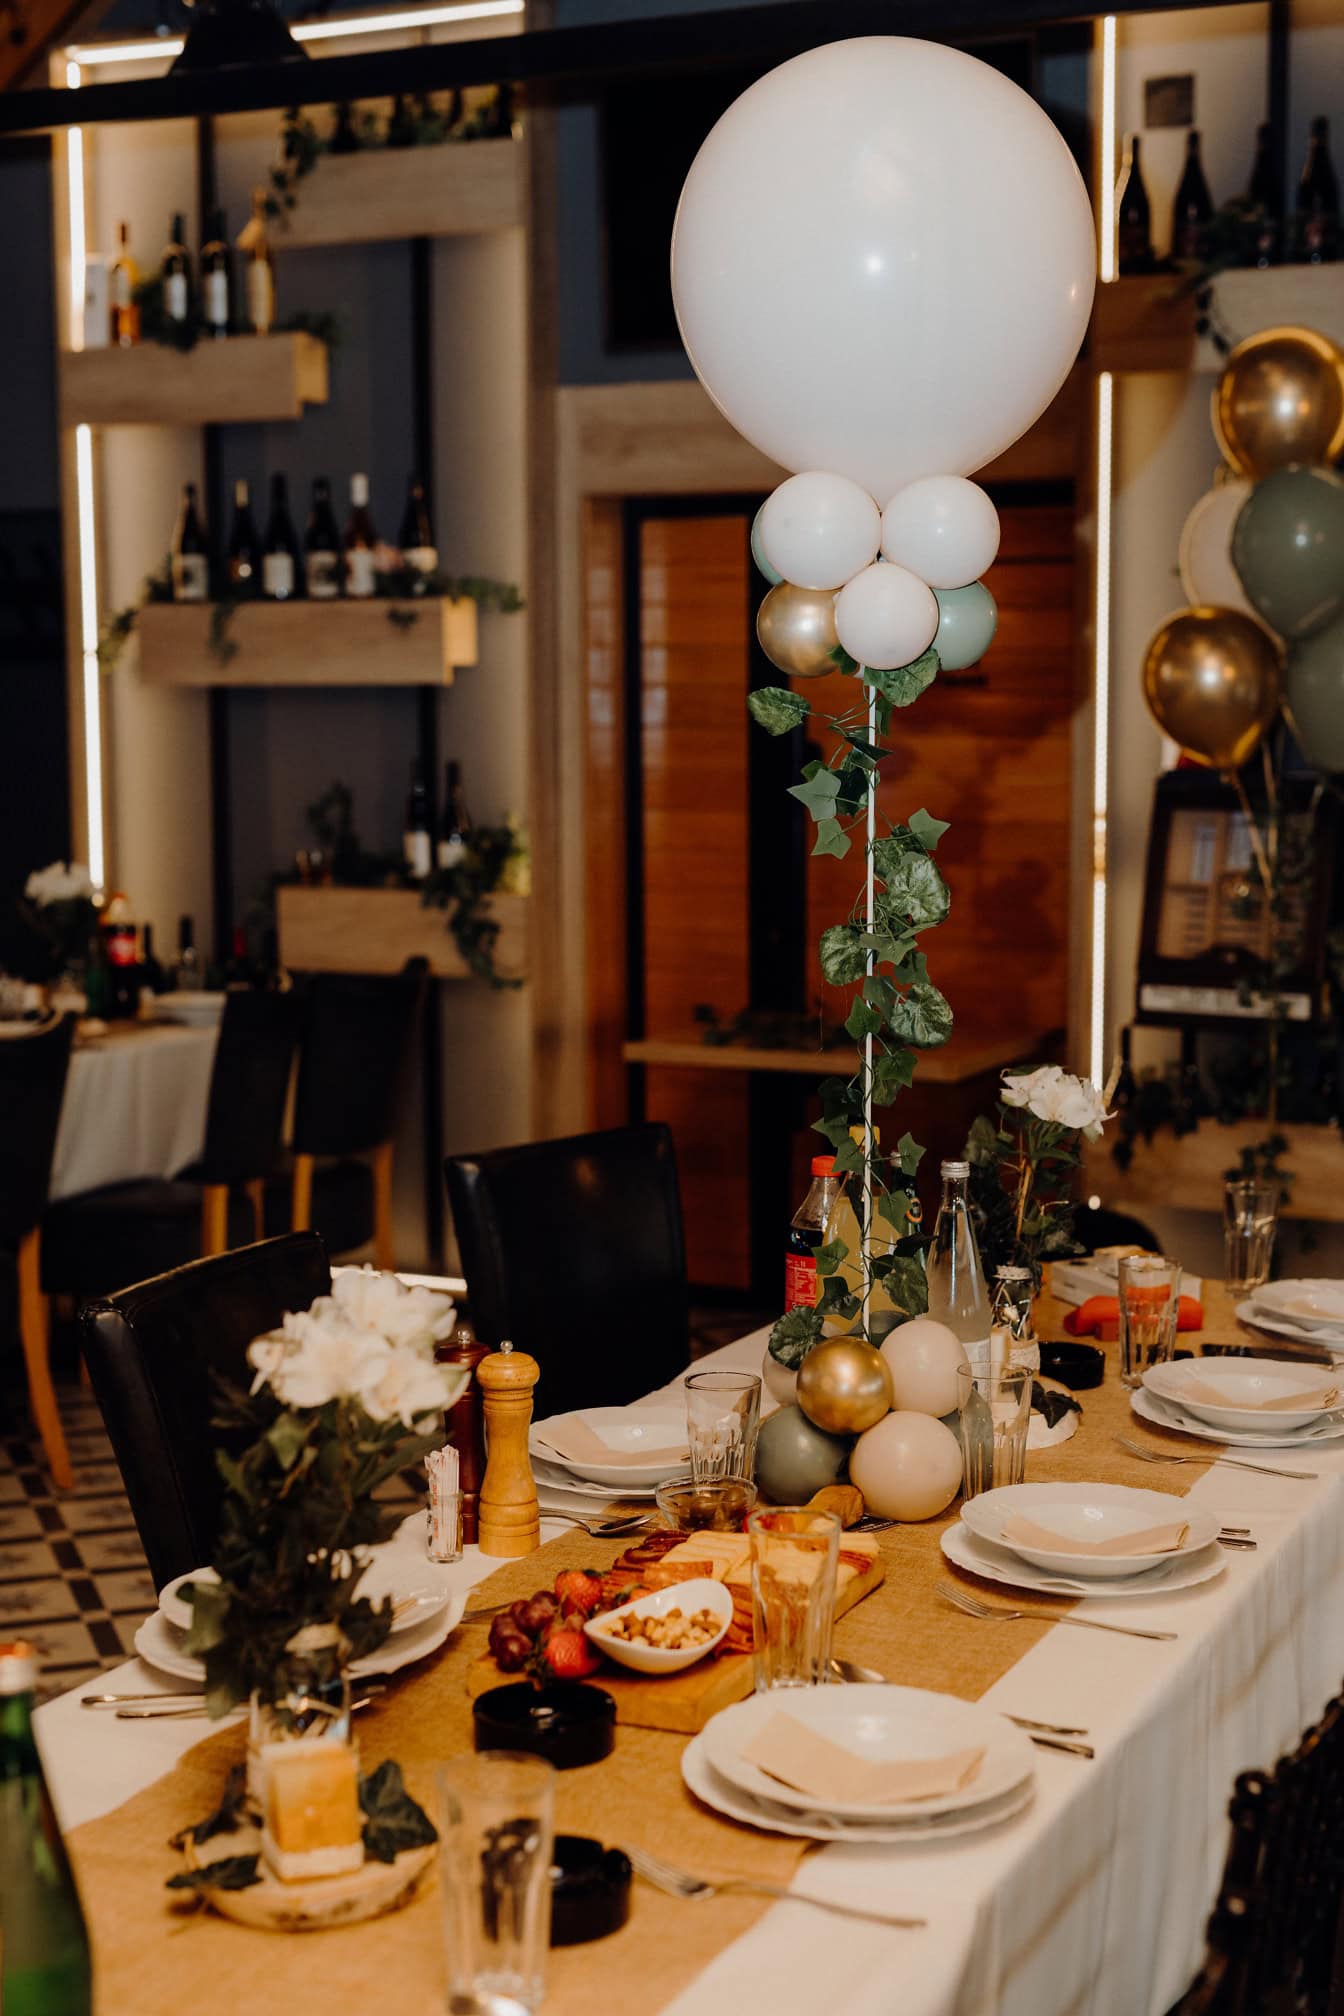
996, 1564
703, 1780
1166, 1414
195, 1007
390, 1573
1086, 1512
581, 1494
159, 1644
654, 1436
879, 1723
1279, 1326
1239, 1382
1313, 1304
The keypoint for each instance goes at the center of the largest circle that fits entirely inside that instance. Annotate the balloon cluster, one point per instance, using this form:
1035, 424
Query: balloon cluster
1262, 560
882, 585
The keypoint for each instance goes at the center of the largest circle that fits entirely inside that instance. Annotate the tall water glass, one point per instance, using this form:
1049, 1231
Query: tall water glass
1250, 1220
795, 1551
723, 1413
993, 1425
497, 1832
1149, 1291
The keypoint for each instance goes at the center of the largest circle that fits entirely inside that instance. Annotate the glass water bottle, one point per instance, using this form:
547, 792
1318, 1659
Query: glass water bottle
958, 1296
45, 1968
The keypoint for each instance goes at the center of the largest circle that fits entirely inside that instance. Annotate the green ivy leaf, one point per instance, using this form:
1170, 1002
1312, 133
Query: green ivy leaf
777, 710
287, 1435
393, 1821
842, 955
794, 1335
926, 829
905, 1282
834, 1126
837, 1299
863, 1020
904, 683
879, 990
227, 1816
209, 1617
818, 793
842, 661
852, 792
885, 945
909, 1153
915, 894
894, 1206
848, 1156
831, 839
231, 1872
865, 752
828, 1258
922, 1016
894, 1070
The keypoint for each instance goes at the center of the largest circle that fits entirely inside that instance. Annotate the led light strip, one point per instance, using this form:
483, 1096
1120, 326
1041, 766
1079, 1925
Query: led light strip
1106, 163
88, 639
1101, 723
93, 55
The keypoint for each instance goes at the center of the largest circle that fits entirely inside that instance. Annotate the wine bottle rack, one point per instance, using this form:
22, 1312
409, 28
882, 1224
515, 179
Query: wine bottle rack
340, 930
243, 378
1147, 323
378, 642
459, 187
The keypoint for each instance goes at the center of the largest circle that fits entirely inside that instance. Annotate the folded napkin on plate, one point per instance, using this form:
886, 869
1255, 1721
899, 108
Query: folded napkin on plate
788, 1750
1152, 1540
1099, 1317
1306, 1396
576, 1441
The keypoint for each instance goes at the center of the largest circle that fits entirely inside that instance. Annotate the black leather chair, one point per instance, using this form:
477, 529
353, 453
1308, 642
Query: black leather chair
33, 1067
573, 1250
1095, 1226
358, 1031
152, 1352
123, 1232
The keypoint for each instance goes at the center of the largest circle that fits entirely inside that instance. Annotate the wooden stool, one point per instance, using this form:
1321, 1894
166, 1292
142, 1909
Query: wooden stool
35, 1333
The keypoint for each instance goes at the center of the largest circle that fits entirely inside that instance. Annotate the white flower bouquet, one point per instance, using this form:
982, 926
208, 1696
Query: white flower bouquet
1024, 1165
59, 909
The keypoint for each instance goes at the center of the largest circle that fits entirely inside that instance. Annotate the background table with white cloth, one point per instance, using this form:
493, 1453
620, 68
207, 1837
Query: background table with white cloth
134, 1106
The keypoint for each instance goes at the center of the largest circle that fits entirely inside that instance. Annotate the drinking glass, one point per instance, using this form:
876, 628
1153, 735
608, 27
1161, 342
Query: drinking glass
993, 1425
1250, 1219
723, 1411
497, 1831
795, 1551
1149, 1289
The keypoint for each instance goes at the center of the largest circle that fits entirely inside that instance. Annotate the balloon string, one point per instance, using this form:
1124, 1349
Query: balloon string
1233, 777
871, 967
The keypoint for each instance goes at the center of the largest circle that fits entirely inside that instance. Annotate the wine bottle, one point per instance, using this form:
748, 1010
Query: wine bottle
1134, 222
359, 541
455, 824
124, 312
118, 933
260, 271
152, 974
416, 841
1317, 201
187, 973
344, 139
176, 274
216, 279
281, 578
1264, 246
417, 533
1192, 212
45, 1964
244, 555
322, 546
190, 561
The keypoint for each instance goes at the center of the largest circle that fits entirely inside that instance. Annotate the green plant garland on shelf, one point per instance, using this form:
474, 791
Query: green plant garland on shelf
898, 1010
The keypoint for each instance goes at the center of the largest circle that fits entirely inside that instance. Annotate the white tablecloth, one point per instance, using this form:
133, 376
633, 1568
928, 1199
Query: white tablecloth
134, 1106
1093, 1902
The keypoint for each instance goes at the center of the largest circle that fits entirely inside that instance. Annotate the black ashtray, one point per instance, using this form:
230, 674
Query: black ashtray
565, 1722
590, 1890
1077, 1366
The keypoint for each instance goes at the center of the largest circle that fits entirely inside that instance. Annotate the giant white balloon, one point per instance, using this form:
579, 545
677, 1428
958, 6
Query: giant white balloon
885, 616
1207, 574
819, 529
942, 528
883, 262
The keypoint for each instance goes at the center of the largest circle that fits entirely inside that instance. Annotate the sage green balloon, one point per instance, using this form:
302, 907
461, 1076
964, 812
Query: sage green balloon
1288, 548
772, 574
967, 620
1314, 697
794, 1459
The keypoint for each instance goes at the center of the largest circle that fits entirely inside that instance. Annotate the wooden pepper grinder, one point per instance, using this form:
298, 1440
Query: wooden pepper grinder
510, 1523
465, 1422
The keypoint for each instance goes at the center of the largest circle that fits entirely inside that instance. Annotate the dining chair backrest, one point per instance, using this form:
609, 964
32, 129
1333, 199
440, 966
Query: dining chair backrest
356, 1039
154, 1353
249, 1085
33, 1069
573, 1251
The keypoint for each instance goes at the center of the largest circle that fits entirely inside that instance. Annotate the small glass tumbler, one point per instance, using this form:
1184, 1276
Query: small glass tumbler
1250, 1221
795, 1551
1149, 1293
307, 1701
497, 1834
993, 1425
723, 1413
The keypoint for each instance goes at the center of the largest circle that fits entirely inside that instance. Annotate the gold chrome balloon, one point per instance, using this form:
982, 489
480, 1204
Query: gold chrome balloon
796, 627
1212, 681
1280, 400
844, 1385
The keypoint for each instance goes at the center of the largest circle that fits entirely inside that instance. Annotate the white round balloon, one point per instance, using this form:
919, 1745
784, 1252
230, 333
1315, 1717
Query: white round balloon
883, 262
908, 1466
942, 528
1207, 573
885, 616
819, 530
927, 1362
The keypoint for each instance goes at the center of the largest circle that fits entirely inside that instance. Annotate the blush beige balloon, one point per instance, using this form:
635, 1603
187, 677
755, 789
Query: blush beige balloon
1280, 399
844, 1385
796, 628
907, 1467
1213, 680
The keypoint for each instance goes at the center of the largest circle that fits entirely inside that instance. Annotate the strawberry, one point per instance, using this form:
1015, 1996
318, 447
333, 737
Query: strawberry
579, 1591
568, 1655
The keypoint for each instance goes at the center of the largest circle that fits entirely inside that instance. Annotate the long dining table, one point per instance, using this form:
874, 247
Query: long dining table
1093, 1899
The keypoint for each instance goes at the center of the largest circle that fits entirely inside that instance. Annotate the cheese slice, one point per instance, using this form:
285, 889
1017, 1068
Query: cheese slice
723, 1551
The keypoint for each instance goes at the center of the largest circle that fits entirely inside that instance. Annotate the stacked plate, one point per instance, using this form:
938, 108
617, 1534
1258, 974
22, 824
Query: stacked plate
1307, 1311
1005, 1536
647, 1445
1249, 1403
878, 1725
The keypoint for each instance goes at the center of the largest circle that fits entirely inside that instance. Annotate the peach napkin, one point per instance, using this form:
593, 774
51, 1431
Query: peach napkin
1151, 1540
832, 1775
1306, 1396
572, 1438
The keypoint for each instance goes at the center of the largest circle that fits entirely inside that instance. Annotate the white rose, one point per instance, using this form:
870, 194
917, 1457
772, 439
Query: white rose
412, 1386
381, 1303
1020, 1089
1055, 1096
319, 1358
57, 883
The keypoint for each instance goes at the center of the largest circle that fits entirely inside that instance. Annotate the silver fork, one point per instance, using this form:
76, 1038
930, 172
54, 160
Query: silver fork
961, 1599
606, 1529
1228, 1462
698, 1889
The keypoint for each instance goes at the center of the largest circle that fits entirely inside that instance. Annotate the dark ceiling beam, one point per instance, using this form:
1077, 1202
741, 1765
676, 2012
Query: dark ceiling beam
563, 61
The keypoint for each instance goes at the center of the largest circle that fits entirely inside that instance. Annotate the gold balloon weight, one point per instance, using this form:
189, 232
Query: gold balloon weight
1212, 681
1280, 400
796, 628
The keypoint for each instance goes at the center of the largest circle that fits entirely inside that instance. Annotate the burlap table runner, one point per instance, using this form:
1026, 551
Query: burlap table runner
152, 1960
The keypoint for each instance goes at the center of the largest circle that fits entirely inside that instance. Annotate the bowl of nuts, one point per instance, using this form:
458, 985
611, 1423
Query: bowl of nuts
667, 1631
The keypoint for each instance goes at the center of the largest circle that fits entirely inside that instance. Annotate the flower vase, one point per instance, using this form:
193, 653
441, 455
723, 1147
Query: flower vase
308, 1701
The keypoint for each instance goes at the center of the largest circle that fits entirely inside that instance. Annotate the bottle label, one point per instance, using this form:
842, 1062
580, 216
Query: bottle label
120, 946
416, 847
277, 575
422, 559
260, 295
175, 297
121, 287
322, 571
191, 577
359, 571
450, 852
800, 1281
215, 299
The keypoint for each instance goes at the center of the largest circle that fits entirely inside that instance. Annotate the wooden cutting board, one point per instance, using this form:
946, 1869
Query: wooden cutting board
682, 1702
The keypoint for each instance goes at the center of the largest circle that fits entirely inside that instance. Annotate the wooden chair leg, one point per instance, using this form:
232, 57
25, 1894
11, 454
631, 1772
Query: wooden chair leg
382, 1206
301, 1195
35, 1331
214, 1218
256, 1197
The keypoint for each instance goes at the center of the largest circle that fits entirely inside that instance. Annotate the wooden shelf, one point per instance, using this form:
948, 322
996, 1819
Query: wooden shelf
460, 187
1186, 1174
242, 378
1148, 324
377, 930
962, 1058
337, 643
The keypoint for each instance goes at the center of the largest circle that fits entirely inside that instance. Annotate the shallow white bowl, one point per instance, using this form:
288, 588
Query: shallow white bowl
1087, 1512
1315, 1304
688, 1597
1242, 1381
654, 1435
